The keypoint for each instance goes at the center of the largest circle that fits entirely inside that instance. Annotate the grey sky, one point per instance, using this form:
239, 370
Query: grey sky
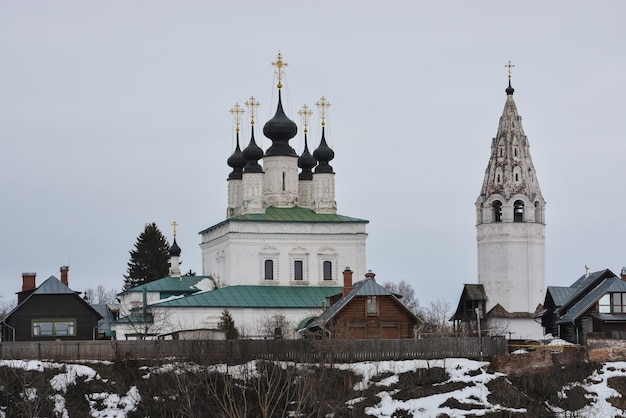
115, 114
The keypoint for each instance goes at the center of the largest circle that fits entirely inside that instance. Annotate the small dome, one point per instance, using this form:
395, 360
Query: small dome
252, 154
237, 162
323, 154
306, 162
280, 129
175, 250
509, 90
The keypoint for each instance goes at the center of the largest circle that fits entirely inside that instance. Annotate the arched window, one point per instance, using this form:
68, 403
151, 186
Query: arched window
328, 270
518, 211
497, 211
269, 269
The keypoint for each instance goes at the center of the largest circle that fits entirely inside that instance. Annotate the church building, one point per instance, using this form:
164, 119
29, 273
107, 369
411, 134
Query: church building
510, 235
282, 226
280, 252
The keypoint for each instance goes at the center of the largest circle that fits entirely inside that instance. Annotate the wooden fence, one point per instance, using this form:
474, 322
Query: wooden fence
237, 351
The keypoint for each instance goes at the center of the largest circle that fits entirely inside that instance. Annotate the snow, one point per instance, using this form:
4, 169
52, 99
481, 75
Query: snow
205, 285
474, 395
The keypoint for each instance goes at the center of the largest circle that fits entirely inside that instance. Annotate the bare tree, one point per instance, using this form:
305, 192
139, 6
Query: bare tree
275, 326
435, 317
407, 292
101, 295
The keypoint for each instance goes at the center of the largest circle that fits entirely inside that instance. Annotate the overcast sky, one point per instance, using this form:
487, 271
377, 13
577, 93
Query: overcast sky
115, 114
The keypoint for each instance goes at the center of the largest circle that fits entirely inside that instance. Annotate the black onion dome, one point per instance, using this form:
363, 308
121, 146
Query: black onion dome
323, 154
280, 129
236, 162
509, 90
306, 162
252, 154
175, 250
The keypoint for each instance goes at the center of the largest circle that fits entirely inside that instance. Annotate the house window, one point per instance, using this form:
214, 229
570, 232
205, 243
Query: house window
619, 302
328, 270
612, 303
54, 328
269, 269
372, 307
604, 304
297, 270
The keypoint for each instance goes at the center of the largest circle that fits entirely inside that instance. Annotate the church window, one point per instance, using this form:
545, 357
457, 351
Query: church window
497, 211
297, 270
518, 211
328, 270
269, 269
515, 151
516, 176
283, 181
498, 179
371, 306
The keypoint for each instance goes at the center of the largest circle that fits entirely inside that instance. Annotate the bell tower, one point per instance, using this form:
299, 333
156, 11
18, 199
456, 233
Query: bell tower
510, 220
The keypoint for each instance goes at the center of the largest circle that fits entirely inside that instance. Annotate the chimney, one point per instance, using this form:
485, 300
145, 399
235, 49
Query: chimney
370, 275
64, 271
347, 281
28, 281
623, 274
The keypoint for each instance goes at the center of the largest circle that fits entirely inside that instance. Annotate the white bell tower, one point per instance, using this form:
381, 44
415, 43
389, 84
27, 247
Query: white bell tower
510, 221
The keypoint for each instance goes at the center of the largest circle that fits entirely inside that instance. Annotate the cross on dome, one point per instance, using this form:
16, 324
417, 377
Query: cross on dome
237, 111
509, 66
252, 104
323, 105
279, 64
305, 113
174, 224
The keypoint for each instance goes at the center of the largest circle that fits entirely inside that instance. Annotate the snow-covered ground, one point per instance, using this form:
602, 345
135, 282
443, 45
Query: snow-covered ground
473, 373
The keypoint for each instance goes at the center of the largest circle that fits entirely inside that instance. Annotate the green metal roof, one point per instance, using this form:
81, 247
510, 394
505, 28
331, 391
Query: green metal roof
179, 285
258, 297
295, 214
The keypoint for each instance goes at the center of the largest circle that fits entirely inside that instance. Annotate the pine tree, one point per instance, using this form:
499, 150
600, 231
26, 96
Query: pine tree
149, 260
227, 324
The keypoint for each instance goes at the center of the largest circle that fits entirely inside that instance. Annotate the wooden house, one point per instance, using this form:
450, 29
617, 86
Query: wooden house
365, 310
49, 312
596, 302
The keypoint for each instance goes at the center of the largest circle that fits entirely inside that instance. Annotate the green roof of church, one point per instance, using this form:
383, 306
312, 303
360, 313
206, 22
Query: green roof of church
258, 297
295, 214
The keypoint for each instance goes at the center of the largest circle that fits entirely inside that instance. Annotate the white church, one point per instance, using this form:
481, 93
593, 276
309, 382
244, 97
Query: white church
510, 235
281, 249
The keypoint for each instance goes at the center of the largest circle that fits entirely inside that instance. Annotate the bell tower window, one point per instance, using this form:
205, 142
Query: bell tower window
518, 211
497, 211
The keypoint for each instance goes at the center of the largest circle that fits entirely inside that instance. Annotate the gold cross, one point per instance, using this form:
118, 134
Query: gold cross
509, 66
252, 104
174, 224
279, 64
305, 113
237, 111
322, 104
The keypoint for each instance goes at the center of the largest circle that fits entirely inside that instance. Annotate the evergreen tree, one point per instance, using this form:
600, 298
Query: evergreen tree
227, 325
149, 260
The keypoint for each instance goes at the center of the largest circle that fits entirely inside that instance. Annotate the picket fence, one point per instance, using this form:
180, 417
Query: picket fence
237, 351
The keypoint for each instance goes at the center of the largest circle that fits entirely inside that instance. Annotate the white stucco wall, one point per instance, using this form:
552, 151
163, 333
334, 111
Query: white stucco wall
234, 252
511, 264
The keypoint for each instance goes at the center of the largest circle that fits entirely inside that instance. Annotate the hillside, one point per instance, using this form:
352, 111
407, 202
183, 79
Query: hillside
415, 388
